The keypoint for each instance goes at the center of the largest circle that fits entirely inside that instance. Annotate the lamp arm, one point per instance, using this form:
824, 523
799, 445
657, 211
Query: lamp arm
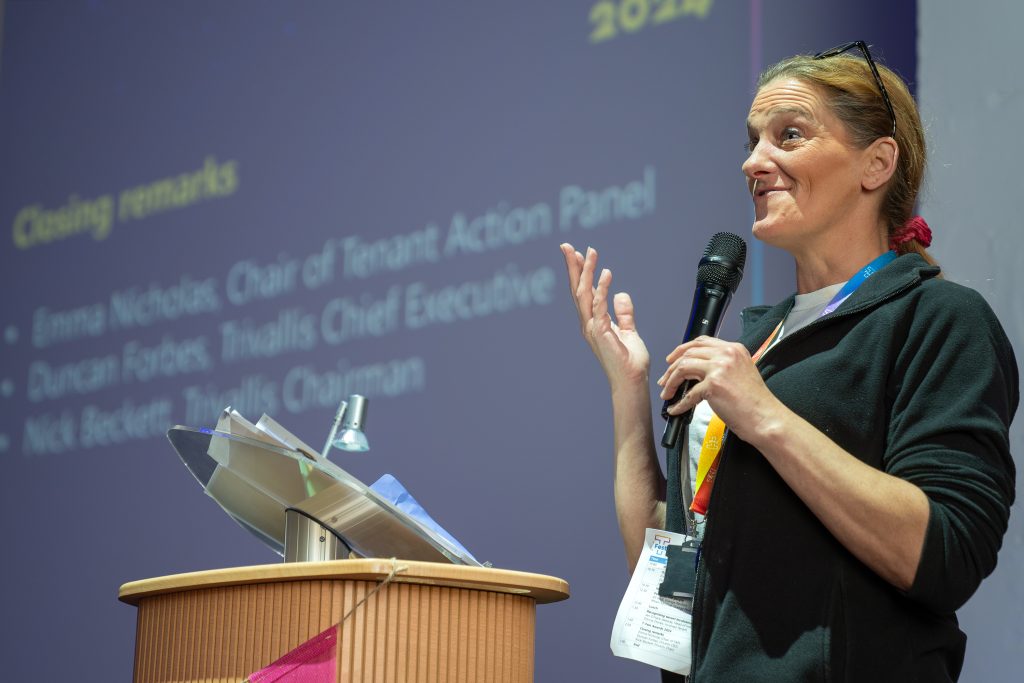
334, 429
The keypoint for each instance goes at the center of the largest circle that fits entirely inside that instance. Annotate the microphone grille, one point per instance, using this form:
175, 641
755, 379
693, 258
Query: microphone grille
723, 261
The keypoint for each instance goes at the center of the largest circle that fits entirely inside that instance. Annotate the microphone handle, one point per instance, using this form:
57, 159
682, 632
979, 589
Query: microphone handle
709, 303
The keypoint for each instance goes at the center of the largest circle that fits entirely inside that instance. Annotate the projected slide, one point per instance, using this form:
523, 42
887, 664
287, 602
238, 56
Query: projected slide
274, 205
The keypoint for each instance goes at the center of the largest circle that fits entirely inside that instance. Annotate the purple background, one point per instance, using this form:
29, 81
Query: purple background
368, 121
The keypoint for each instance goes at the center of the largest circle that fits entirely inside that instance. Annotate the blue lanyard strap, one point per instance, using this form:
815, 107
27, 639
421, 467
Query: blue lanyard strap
858, 279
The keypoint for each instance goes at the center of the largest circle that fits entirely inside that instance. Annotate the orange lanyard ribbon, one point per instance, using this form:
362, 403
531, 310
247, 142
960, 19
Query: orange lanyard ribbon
711, 448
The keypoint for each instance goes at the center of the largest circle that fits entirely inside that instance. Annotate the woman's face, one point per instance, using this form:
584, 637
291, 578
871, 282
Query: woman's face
803, 173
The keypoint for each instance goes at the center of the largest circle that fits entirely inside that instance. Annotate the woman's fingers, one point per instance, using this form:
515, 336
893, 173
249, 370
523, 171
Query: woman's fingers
599, 307
691, 352
690, 369
591, 301
623, 306
702, 342
581, 279
686, 369
585, 286
573, 265
689, 400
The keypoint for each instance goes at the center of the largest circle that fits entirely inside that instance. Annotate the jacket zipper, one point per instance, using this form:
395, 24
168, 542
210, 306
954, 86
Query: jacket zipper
698, 593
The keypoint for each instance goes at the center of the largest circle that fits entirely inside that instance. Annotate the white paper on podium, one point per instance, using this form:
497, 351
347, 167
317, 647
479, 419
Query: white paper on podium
649, 628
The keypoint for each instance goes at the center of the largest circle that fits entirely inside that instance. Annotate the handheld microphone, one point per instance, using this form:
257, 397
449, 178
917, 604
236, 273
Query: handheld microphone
718, 275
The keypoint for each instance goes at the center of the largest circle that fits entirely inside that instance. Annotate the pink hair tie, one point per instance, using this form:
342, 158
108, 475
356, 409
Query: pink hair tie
913, 229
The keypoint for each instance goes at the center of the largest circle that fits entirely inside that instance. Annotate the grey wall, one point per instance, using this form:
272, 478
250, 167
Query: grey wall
971, 91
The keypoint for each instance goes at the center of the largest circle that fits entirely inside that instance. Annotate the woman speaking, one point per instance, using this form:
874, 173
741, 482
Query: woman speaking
863, 486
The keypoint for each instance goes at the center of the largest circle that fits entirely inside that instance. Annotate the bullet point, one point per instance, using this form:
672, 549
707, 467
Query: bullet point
4, 443
7, 388
11, 334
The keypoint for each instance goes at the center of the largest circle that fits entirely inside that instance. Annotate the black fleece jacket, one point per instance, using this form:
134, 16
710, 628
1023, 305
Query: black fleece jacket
914, 376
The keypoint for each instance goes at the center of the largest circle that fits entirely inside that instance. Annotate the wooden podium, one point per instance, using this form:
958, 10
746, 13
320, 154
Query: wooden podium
431, 622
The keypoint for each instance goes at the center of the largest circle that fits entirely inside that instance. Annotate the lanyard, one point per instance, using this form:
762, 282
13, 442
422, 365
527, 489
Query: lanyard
710, 449
857, 280
707, 464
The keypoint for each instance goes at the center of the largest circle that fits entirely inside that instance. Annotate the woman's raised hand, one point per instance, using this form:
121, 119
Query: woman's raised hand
616, 343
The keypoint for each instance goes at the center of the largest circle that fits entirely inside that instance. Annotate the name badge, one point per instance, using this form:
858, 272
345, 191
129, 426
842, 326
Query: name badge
680, 571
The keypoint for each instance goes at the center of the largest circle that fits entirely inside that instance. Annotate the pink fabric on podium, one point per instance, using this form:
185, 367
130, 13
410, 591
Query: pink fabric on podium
315, 661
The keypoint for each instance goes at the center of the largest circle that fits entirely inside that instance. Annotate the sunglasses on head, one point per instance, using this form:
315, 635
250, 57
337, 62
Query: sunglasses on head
863, 47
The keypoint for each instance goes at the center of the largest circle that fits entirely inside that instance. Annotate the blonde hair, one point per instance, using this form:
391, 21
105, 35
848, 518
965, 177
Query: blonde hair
856, 100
